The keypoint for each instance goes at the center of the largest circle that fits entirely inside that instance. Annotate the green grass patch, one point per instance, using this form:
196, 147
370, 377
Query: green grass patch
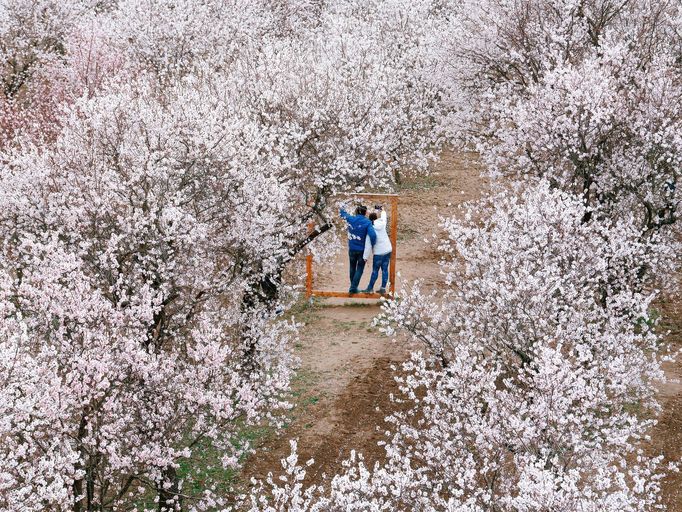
422, 182
359, 305
311, 400
305, 310
343, 326
204, 468
407, 233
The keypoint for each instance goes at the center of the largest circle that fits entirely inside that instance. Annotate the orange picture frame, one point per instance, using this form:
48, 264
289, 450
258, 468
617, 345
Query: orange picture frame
393, 219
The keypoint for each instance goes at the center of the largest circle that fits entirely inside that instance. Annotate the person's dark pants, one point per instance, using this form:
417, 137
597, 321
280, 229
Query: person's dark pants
380, 262
357, 266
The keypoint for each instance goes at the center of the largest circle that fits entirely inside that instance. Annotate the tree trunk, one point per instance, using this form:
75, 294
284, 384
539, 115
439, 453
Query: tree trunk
264, 293
169, 498
78, 495
78, 485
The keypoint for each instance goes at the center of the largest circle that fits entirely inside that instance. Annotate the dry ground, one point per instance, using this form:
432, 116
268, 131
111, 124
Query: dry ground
343, 387
666, 437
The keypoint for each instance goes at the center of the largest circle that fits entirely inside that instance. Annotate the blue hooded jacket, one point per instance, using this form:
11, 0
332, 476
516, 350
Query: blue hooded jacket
359, 227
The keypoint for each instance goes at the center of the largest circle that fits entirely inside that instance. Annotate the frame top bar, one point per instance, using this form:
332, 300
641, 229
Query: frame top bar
384, 196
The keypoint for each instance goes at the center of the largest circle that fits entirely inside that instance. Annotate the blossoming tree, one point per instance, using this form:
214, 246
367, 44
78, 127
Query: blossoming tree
583, 93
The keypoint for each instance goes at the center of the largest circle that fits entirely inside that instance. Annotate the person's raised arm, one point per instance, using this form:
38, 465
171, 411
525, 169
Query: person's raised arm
344, 214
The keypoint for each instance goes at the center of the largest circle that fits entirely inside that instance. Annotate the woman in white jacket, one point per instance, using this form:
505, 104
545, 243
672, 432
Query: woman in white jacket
382, 251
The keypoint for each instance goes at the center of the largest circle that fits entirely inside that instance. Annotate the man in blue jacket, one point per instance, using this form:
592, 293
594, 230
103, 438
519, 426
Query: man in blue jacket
359, 227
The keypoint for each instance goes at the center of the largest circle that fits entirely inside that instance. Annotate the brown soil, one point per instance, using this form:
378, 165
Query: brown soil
666, 437
342, 392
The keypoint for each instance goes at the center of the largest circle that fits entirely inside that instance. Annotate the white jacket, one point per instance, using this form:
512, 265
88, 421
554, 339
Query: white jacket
383, 245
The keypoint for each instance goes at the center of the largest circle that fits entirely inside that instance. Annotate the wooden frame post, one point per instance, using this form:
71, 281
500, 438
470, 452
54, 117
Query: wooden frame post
309, 285
394, 243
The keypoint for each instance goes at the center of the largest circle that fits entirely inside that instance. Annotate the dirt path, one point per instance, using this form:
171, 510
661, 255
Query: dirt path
343, 387
342, 390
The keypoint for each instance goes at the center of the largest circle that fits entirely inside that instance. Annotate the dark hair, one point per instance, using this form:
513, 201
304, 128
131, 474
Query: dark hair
361, 210
373, 216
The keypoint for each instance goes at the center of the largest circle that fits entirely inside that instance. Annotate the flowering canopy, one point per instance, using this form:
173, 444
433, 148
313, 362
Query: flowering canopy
161, 162
584, 93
